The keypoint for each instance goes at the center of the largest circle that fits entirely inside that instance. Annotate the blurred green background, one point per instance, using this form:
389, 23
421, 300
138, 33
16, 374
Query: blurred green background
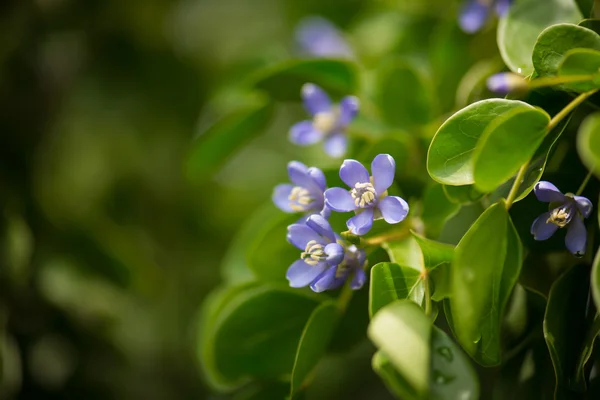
107, 246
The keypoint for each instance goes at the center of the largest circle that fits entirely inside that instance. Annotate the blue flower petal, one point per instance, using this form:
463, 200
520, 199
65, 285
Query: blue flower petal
319, 177
542, 230
547, 192
336, 144
319, 37
353, 172
327, 281
304, 133
576, 238
335, 253
339, 200
473, 15
281, 197
393, 209
361, 224
584, 205
315, 99
299, 235
358, 280
320, 225
300, 176
300, 274
348, 109
383, 169
502, 7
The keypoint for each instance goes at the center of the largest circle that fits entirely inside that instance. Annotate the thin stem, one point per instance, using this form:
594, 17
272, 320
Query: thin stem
516, 185
557, 80
584, 183
427, 294
345, 296
377, 240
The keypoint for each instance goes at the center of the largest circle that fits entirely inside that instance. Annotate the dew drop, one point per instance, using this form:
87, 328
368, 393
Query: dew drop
441, 378
446, 353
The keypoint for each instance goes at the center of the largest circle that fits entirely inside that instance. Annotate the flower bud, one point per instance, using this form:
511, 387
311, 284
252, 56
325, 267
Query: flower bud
507, 82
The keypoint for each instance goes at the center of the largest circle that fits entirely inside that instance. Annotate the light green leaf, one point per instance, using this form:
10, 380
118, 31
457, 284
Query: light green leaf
588, 143
390, 282
564, 322
434, 253
393, 380
406, 252
581, 62
466, 194
402, 331
441, 278
450, 159
314, 341
526, 19
485, 269
284, 81
437, 209
507, 143
217, 143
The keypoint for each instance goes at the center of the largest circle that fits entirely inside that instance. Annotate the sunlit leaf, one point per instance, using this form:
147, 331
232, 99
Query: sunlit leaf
391, 282
588, 143
581, 62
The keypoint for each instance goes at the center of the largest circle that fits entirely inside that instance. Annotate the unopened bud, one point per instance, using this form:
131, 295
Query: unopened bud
507, 82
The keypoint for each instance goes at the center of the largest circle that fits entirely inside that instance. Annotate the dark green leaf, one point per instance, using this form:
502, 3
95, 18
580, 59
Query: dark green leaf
314, 341
393, 380
564, 323
466, 194
588, 143
581, 62
486, 266
593, 24
390, 282
585, 354
595, 284
506, 144
437, 209
520, 28
434, 253
585, 7
214, 146
284, 81
440, 277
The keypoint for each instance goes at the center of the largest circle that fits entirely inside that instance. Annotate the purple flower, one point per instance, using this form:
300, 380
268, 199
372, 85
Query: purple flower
318, 37
507, 82
324, 263
567, 210
328, 121
475, 13
305, 194
368, 194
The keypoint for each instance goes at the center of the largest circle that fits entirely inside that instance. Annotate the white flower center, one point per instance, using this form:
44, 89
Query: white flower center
300, 199
314, 253
326, 121
561, 216
364, 194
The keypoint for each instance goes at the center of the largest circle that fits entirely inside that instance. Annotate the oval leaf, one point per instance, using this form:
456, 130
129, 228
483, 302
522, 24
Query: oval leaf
390, 282
434, 253
466, 194
588, 143
520, 28
581, 62
486, 266
393, 380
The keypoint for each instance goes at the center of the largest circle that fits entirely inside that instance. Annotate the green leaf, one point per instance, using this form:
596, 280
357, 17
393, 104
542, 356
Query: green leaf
393, 380
405, 96
585, 354
466, 194
390, 282
450, 159
217, 143
585, 7
437, 209
402, 331
554, 43
588, 143
564, 322
526, 19
269, 255
434, 253
507, 143
485, 269
591, 23
284, 81
406, 252
595, 284
256, 333
441, 278
314, 341
581, 62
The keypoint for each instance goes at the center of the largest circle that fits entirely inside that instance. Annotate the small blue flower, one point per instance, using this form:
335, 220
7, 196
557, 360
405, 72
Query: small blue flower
328, 121
475, 13
368, 194
318, 37
507, 82
324, 263
568, 211
305, 194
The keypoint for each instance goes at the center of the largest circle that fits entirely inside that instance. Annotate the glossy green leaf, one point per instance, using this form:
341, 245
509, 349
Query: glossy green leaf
402, 331
555, 42
526, 19
581, 62
437, 209
585, 354
486, 266
314, 341
442, 285
405, 252
284, 81
217, 143
405, 96
588, 143
450, 159
506, 144
269, 255
256, 333
595, 279
390, 282
565, 323
434, 253
466, 194
393, 380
